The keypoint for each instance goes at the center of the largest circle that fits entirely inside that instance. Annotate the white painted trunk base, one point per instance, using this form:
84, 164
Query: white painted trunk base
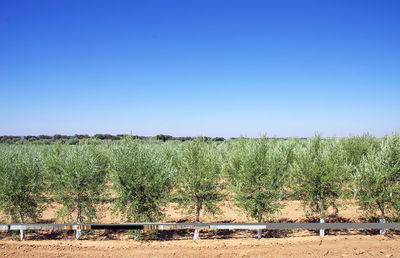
196, 234
322, 231
382, 231
78, 234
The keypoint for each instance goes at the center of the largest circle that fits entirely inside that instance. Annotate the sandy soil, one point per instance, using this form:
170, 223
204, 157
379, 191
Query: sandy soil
240, 243
311, 246
292, 211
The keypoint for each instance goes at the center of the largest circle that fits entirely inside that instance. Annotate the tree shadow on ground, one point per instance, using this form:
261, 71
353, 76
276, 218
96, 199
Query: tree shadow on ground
46, 221
49, 235
377, 231
186, 234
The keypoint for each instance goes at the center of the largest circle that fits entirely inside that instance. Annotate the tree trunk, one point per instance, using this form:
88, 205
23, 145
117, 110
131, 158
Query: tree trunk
78, 220
21, 232
198, 208
22, 217
382, 220
321, 215
197, 231
79, 215
355, 193
336, 209
259, 231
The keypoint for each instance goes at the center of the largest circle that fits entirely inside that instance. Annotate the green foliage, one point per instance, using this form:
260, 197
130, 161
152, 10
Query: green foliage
199, 185
257, 173
378, 179
78, 180
357, 147
142, 179
22, 187
144, 170
318, 174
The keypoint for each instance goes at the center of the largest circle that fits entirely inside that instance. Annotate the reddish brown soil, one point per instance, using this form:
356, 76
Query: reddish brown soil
311, 246
230, 213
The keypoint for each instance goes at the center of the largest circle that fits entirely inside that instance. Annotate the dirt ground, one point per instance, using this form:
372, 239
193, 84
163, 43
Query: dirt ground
222, 243
292, 211
310, 246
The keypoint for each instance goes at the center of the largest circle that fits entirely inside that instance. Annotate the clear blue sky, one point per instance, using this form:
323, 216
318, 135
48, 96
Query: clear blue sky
215, 68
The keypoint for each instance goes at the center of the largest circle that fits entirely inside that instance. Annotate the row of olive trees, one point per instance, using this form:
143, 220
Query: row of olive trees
33, 177
142, 177
145, 176
77, 178
318, 172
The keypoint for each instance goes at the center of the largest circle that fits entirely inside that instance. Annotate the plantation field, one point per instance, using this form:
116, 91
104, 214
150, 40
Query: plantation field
355, 179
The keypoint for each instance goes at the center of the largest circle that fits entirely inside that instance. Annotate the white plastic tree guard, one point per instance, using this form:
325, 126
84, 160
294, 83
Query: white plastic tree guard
322, 230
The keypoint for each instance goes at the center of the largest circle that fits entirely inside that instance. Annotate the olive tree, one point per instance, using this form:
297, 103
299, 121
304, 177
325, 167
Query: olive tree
378, 180
22, 184
356, 148
257, 174
199, 184
78, 180
142, 180
318, 175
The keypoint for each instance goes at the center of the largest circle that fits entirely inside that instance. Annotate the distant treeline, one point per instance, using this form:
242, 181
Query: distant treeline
75, 139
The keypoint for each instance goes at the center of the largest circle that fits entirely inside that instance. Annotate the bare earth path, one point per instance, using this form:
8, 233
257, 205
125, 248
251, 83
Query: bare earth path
310, 246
